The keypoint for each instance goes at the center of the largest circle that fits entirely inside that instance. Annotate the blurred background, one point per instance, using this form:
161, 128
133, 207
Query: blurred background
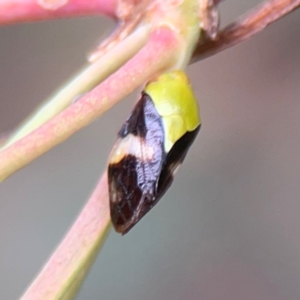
228, 229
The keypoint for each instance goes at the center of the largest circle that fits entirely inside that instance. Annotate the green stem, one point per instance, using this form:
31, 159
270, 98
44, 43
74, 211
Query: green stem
158, 55
83, 82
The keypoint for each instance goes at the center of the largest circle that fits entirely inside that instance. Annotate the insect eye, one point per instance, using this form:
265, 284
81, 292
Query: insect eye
124, 130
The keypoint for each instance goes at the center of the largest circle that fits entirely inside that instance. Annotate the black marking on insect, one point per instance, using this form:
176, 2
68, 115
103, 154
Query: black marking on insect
139, 170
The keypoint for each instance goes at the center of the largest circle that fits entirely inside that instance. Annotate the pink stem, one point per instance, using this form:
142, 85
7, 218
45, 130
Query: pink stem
158, 55
78, 244
14, 11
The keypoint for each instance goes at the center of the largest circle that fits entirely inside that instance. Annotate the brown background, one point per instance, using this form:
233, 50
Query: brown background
229, 229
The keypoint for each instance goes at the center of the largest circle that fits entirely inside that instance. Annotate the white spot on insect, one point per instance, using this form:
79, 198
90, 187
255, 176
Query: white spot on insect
115, 196
175, 170
131, 145
52, 4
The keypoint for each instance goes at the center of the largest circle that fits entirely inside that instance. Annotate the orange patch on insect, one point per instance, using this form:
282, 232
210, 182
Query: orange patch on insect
131, 145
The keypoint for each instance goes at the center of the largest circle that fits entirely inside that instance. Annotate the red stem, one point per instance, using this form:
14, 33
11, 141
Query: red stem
138, 70
14, 11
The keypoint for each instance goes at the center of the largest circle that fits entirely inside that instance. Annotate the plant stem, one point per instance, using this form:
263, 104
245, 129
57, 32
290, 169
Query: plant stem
82, 83
162, 44
71, 261
15, 11
253, 22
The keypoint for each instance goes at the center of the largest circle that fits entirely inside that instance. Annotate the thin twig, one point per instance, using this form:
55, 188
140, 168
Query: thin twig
253, 22
87, 79
72, 259
134, 73
15, 11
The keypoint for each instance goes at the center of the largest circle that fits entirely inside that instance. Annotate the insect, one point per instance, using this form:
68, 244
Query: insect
151, 145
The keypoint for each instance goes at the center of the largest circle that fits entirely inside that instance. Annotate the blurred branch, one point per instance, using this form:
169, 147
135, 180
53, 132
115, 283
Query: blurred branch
85, 81
14, 11
4, 137
253, 22
62, 276
162, 44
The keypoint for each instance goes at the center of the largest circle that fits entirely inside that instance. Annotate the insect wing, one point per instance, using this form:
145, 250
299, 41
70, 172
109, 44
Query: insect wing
135, 166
